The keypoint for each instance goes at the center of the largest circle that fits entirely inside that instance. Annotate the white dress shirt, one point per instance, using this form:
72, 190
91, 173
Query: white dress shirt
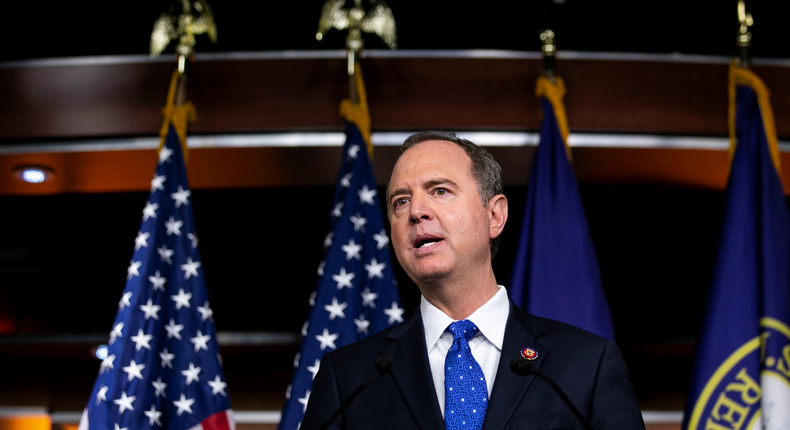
486, 346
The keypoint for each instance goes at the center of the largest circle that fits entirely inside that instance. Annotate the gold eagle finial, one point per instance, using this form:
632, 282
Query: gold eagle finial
378, 20
195, 18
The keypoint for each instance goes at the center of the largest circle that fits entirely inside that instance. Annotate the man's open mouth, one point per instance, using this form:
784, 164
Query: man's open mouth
424, 243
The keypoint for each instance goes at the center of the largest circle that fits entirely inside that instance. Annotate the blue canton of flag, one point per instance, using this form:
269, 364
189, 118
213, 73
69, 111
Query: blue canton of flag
741, 377
356, 294
556, 273
162, 368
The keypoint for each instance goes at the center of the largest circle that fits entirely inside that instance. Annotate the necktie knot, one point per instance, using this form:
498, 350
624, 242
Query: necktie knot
463, 329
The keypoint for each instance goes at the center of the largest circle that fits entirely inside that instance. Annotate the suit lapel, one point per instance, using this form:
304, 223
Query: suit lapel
411, 372
509, 388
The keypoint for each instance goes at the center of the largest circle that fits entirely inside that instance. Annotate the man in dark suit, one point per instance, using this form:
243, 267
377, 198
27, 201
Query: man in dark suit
451, 360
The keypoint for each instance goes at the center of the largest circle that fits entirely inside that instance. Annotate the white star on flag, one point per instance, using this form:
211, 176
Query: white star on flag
141, 240
134, 370
394, 313
217, 386
366, 195
320, 273
191, 373
327, 339
141, 340
158, 281
159, 387
158, 183
101, 396
164, 154
368, 298
337, 211
181, 196
116, 332
167, 358
173, 227
184, 405
181, 299
362, 324
314, 368
173, 329
304, 328
150, 210
335, 309
150, 310
125, 300
125, 403
153, 416
107, 363
375, 269
205, 311
352, 250
343, 279
328, 239
312, 300
381, 239
359, 222
346, 181
133, 269
165, 253
194, 239
117, 427
190, 268
304, 401
200, 341
353, 151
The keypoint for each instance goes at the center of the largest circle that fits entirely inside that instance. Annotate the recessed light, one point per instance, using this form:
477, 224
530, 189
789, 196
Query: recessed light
33, 174
101, 352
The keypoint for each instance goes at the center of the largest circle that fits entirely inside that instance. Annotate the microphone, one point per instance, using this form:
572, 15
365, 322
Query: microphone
522, 367
383, 366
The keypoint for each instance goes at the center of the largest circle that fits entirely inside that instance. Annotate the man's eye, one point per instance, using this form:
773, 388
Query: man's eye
441, 191
401, 201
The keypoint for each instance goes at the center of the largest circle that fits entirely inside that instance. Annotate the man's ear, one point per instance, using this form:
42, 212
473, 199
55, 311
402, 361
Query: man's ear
497, 212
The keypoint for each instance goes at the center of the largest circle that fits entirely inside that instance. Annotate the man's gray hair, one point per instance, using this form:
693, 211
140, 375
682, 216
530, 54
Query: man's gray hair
485, 170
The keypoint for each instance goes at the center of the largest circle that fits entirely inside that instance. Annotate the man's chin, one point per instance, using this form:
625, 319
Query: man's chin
429, 275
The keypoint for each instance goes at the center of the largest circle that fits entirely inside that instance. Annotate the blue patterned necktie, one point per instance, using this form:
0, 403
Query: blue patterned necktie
465, 392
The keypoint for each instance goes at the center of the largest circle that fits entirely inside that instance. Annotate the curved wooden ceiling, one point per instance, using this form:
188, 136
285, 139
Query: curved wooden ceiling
46, 104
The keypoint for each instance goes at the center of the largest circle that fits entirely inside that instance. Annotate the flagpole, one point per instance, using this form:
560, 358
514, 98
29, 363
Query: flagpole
744, 40
548, 48
184, 66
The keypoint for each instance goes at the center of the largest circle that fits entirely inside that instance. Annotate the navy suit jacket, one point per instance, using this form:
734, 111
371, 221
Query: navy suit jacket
588, 368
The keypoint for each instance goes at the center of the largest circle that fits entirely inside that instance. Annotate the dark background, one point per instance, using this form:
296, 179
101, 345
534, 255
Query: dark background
93, 27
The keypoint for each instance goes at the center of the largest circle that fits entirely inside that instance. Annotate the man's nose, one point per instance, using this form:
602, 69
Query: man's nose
420, 209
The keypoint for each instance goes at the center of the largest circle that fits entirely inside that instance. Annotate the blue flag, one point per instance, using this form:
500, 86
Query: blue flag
162, 369
356, 294
742, 362
556, 273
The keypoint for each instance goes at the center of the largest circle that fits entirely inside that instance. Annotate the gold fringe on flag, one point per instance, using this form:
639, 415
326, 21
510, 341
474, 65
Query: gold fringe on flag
357, 113
554, 93
180, 116
741, 76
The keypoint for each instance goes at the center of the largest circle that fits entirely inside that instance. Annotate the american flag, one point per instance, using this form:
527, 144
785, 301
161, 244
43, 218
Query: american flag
162, 368
356, 294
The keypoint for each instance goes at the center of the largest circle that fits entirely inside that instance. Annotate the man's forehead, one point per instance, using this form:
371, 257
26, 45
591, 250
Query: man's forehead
433, 155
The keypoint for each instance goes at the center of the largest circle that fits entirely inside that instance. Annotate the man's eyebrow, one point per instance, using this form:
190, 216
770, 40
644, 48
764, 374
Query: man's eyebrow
440, 181
396, 192
427, 184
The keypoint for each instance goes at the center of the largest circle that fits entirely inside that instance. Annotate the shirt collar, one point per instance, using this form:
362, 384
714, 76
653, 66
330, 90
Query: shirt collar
491, 319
